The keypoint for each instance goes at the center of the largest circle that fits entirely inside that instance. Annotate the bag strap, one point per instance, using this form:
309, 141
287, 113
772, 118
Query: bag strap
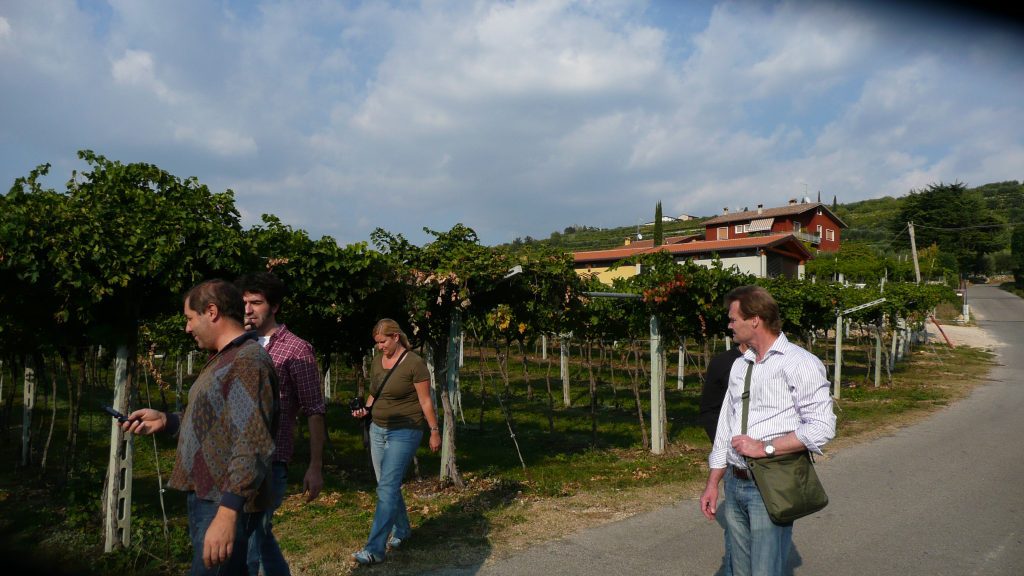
388, 375
746, 396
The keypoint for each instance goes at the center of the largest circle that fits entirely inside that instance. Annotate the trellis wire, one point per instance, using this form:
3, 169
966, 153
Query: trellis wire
156, 458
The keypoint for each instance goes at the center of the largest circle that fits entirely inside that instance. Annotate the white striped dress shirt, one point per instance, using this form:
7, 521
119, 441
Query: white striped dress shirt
788, 391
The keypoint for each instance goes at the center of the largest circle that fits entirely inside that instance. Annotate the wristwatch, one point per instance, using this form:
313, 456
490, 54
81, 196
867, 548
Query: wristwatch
769, 449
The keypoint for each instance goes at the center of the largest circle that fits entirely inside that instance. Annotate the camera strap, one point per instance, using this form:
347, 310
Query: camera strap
387, 376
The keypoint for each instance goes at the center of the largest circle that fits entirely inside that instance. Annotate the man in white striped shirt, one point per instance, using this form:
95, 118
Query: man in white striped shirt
790, 410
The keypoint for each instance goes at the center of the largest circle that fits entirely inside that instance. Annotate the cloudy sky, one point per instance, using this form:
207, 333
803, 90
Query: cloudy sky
516, 118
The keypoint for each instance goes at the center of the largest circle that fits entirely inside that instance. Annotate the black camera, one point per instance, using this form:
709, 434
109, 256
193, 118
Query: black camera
356, 404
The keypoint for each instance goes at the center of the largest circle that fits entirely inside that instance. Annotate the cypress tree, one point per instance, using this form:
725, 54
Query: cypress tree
659, 232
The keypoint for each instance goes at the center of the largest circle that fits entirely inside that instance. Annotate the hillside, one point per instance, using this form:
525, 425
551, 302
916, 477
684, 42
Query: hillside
579, 238
870, 221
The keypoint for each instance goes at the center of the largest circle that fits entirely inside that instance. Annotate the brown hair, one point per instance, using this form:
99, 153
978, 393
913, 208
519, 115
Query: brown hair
388, 327
756, 301
265, 283
222, 294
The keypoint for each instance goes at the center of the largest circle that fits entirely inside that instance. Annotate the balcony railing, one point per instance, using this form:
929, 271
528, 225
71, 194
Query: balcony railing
806, 237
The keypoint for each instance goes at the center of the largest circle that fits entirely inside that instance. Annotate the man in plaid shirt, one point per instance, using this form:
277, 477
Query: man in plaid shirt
299, 386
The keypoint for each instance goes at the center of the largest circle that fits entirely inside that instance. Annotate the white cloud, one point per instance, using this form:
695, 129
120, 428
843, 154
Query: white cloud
515, 118
135, 68
220, 141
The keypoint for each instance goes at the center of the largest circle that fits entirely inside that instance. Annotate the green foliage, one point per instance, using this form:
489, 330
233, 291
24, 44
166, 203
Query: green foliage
137, 237
805, 306
336, 293
1006, 198
440, 279
1017, 252
871, 220
543, 298
29, 229
118, 247
957, 220
860, 262
579, 238
687, 297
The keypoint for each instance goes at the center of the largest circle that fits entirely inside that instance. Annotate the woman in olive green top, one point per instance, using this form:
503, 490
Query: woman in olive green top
400, 409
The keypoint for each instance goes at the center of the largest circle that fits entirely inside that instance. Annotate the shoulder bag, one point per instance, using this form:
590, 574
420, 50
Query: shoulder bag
788, 483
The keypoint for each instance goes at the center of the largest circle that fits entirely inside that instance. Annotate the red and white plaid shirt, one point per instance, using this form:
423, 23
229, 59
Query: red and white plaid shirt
299, 384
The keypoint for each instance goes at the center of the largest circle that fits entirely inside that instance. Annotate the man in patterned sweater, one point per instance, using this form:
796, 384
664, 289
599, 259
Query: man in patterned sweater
226, 434
299, 391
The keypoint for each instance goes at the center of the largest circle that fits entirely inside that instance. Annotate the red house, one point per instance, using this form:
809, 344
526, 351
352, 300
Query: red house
809, 221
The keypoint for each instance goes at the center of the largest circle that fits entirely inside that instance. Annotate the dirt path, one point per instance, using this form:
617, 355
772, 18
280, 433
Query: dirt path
961, 335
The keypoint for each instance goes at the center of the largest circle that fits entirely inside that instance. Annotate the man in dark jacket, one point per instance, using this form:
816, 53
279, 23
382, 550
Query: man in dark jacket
716, 381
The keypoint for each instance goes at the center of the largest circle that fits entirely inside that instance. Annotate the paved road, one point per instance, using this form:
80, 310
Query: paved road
943, 497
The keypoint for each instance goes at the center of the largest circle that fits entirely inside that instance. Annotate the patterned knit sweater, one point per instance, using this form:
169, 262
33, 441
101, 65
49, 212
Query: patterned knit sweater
226, 436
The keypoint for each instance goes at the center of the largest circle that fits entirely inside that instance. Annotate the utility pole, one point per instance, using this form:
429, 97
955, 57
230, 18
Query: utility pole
913, 251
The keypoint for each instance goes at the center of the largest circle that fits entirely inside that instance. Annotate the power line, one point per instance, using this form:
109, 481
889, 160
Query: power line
978, 227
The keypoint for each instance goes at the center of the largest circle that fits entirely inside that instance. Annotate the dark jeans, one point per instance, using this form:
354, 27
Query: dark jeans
200, 515
263, 547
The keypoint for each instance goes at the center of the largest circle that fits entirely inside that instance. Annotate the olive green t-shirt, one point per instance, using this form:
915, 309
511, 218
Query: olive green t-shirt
398, 405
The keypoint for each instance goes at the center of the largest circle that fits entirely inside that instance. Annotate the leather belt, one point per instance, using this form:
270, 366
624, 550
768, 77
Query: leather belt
741, 473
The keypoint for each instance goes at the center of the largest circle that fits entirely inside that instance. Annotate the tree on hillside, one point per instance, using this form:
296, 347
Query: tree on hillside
659, 226
956, 219
1017, 253
1007, 198
871, 220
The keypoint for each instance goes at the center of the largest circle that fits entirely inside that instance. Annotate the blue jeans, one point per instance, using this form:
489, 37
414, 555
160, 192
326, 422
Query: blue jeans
726, 568
759, 546
263, 547
200, 515
391, 452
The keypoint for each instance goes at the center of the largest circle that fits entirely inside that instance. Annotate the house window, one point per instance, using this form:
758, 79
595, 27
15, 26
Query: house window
830, 234
723, 233
819, 231
741, 228
796, 226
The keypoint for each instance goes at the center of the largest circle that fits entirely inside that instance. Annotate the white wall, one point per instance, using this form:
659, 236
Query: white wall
744, 264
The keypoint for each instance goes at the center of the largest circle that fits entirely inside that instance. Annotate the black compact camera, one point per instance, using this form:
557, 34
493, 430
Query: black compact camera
356, 404
121, 418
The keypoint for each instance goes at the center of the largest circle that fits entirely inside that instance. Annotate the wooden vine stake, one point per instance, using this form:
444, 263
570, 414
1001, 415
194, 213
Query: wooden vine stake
658, 415
28, 403
563, 347
449, 470
117, 496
